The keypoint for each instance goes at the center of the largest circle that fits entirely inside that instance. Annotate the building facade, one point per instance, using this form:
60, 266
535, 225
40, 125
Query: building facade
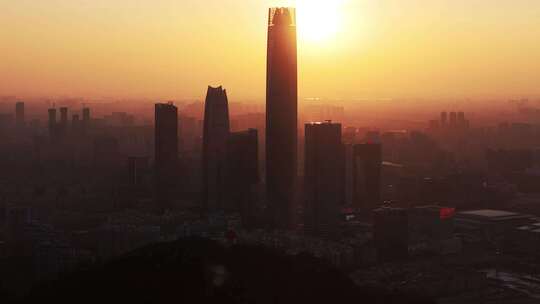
281, 116
215, 134
324, 178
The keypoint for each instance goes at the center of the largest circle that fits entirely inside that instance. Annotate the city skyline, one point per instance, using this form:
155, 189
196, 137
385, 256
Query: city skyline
288, 200
440, 49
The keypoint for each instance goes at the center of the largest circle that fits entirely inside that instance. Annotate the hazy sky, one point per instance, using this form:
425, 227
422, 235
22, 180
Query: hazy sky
175, 48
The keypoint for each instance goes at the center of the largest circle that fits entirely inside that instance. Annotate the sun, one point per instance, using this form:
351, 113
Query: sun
319, 20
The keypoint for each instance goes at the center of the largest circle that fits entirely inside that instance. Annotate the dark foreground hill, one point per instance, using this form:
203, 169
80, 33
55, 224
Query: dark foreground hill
202, 271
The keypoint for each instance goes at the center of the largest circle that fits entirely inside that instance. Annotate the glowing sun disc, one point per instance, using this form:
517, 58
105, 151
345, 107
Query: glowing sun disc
319, 19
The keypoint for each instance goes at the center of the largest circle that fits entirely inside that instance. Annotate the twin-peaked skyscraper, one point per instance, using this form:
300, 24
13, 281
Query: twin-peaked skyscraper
215, 135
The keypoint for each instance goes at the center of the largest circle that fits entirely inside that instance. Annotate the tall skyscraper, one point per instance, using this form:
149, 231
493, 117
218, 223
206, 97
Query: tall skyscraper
215, 133
19, 114
281, 115
367, 166
166, 152
324, 178
242, 174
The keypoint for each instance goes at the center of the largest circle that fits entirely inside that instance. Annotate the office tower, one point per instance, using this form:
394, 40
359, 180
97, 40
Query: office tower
19, 114
444, 119
215, 133
453, 119
166, 152
390, 232
367, 166
281, 116
242, 174
324, 178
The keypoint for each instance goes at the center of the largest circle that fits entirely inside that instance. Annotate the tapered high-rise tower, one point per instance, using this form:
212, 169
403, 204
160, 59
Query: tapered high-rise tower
281, 115
215, 135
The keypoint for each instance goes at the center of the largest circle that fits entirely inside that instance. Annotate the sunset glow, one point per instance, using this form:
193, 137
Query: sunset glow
364, 48
319, 20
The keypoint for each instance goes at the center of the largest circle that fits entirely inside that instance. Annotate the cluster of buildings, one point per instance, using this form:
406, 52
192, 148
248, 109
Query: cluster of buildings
354, 196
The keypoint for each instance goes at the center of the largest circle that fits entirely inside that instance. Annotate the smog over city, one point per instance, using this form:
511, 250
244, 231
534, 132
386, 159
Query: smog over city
270, 151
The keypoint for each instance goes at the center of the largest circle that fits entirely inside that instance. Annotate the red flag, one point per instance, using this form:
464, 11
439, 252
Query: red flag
447, 213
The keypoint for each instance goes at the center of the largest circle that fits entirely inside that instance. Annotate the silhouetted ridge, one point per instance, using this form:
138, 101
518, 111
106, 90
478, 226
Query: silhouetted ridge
195, 271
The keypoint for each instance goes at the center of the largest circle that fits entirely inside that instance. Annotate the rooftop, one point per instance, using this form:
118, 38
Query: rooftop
489, 213
493, 215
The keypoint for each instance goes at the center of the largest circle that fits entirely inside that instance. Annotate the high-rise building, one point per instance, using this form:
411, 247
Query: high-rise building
19, 114
367, 166
281, 115
324, 178
215, 133
242, 174
166, 152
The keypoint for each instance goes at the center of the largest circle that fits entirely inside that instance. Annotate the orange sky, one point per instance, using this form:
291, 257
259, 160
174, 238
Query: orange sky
175, 48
